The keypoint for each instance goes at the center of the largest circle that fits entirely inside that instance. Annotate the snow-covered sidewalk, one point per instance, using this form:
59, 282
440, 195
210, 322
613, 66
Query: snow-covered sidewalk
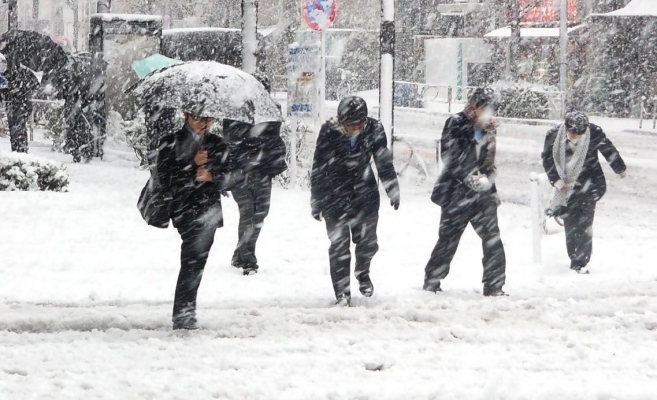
86, 291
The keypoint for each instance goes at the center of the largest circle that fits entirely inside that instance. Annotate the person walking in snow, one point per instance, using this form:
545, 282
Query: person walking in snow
570, 159
466, 193
260, 150
344, 191
21, 85
193, 169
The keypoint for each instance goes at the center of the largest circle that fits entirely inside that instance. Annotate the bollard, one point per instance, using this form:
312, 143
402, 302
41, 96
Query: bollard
537, 229
449, 99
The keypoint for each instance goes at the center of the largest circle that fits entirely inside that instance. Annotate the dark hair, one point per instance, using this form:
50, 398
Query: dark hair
263, 79
577, 122
482, 97
352, 109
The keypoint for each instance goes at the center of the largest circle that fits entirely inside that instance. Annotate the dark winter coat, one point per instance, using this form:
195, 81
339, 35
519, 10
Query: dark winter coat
21, 84
591, 182
176, 174
458, 152
257, 149
342, 180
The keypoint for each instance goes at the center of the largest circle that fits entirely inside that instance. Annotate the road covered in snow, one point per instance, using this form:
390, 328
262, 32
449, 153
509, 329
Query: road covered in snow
86, 291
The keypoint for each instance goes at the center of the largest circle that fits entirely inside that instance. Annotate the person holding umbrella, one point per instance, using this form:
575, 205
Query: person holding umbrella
192, 167
21, 85
26, 52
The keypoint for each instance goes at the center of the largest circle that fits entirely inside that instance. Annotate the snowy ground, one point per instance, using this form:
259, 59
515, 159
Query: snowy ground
86, 291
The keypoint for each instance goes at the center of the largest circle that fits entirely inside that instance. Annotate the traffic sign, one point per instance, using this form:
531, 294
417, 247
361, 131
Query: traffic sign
319, 14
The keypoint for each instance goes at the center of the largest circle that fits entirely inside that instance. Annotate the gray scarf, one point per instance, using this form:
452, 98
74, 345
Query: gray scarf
568, 170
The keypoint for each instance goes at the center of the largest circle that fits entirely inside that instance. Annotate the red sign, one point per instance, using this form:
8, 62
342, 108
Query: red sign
319, 14
545, 10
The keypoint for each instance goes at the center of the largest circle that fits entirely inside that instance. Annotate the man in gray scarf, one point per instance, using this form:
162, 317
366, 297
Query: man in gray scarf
570, 159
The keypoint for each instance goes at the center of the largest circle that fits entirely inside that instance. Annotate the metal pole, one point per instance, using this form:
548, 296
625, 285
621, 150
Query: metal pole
321, 82
563, 42
249, 35
537, 229
12, 17
387, 68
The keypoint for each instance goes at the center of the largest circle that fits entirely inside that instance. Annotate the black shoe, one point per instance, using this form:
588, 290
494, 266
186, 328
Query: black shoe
580, 269
185, 323
343, 300
432, 287
365, 286
494, 293
250, 271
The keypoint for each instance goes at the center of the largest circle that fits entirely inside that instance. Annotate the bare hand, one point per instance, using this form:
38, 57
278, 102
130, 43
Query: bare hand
202, 175
561, 185
201, 157
623, 175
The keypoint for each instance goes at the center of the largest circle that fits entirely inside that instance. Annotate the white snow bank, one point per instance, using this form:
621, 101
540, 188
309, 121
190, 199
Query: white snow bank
108, 17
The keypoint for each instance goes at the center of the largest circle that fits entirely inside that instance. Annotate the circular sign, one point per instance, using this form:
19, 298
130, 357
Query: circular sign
319, 14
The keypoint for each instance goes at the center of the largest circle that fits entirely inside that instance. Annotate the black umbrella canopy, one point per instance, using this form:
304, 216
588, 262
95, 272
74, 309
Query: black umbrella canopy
33, 50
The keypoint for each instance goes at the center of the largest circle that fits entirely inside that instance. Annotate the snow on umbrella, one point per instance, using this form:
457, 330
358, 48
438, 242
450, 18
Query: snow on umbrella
209, 89
152, 63
33, 50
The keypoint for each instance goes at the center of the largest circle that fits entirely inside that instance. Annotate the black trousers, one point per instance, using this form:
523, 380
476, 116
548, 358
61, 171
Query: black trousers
362, 230
253, 202
17, 118
481, 213
197, 238
578, 223
79, 139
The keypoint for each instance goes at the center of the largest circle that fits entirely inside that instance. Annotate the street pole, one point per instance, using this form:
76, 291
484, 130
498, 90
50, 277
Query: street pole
387, 68
249, 35
514, 45
563, 44
321, 82
12, 17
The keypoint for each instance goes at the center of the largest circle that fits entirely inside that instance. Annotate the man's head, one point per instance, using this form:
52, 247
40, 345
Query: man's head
352, 114
481, 104
199, 125
576, 123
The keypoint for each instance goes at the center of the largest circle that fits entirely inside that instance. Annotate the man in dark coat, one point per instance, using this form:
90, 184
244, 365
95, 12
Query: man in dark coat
570, 159
21, 84
466, 193
344, 190
260, 150
193, 168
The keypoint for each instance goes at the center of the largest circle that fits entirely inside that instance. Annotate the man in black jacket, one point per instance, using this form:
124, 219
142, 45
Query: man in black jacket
570, 159
21, 84
466, 193
259, 150
345, 191
193, 169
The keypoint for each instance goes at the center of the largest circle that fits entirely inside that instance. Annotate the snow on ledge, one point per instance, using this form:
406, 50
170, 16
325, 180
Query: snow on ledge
107, 17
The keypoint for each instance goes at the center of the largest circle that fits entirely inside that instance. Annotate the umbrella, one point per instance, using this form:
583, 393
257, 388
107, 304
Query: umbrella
34, 50
209, 89
152, 63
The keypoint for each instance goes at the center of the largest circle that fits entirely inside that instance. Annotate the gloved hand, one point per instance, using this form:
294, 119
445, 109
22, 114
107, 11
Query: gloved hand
225, 193
395, 203
478, 183
316, 214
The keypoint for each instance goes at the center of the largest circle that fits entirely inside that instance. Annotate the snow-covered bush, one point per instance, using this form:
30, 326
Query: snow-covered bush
23, 172
522, 100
